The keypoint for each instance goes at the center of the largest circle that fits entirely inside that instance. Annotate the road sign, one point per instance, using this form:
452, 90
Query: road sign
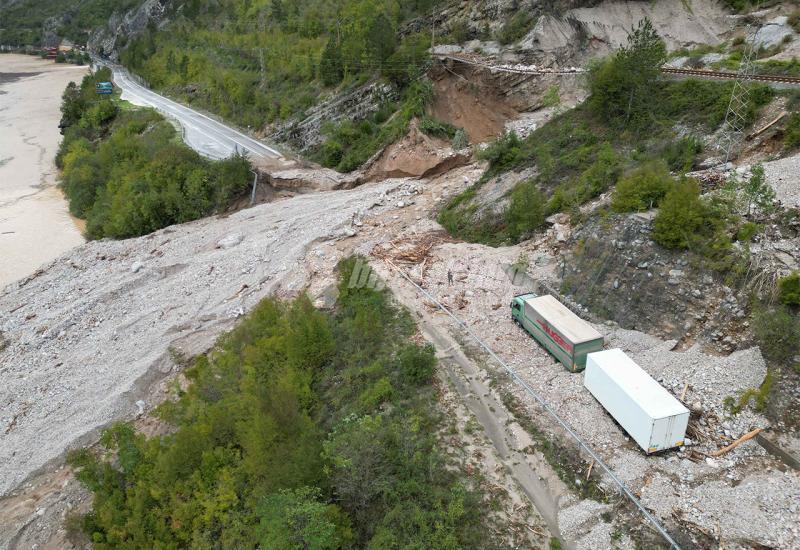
104, 88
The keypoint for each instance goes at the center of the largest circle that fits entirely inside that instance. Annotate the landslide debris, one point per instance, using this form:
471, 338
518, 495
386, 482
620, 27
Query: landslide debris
88, 334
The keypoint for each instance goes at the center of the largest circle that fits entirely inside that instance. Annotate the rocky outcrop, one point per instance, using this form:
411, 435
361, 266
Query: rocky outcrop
621, 274
304, 134
121, 27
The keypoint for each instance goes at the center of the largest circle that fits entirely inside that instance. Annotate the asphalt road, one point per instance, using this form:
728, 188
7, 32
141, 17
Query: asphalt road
205, 135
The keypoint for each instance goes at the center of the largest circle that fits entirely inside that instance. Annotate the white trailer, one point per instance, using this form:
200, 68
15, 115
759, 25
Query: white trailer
649, 413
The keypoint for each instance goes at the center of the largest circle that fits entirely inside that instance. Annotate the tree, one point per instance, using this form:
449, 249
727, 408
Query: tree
757, 192
331, 67
183, 68
623, 87
299, 519
172, 65
381, 39
526, 210
681, 216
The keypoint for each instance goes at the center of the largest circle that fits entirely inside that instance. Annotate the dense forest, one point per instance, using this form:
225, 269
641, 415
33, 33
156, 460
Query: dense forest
301, 429
22, 23
127, 171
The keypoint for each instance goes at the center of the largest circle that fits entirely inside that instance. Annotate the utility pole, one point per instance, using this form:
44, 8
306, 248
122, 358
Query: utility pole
733, 127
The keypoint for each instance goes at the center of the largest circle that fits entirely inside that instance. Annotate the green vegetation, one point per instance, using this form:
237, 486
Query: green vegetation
777, 331
622, 128
301, 429
350, 144
623, 87
259, 62
643, 188
682, 216
789, 289
758, 396
127, 172
22, 22
791, 135
516, 27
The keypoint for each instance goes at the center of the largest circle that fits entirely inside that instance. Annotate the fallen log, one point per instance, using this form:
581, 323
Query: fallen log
746, 437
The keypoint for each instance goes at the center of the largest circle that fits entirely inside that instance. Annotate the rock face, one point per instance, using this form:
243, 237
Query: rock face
773, 33
104, 41
621, 274
306, 133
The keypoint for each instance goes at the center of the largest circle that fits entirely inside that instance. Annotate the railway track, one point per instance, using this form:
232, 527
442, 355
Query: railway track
726, 75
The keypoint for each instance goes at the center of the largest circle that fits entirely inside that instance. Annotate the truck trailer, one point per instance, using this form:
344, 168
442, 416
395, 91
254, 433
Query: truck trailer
565, 335
649, 413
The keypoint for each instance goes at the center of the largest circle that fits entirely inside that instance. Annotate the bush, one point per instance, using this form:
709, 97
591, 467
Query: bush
791, 135
417, 364
680, 155
642, 188
503, 153
436, 128
681, 216
777, 332
789, 289
516, 28
526, 210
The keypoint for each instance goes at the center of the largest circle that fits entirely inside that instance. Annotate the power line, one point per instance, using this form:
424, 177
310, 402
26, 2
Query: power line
663, 532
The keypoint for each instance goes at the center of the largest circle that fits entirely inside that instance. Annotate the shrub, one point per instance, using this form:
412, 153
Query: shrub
516, 28
417, 364
680, 154
526, 210
789, 289
460, 140
777, 332
642, 188
436, 128
791, 135
503, 153
681, 216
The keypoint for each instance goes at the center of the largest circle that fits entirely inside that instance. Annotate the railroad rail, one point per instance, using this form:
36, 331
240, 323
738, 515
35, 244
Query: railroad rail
726, 75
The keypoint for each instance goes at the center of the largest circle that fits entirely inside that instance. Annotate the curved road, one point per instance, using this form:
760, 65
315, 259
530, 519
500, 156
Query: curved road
205, 135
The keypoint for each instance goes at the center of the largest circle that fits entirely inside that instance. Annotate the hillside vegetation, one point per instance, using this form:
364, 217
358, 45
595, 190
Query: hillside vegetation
259, 61
301, 429
127, 172
22, 23
624, 134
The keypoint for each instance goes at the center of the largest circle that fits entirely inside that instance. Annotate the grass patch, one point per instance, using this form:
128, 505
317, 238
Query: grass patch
758, 397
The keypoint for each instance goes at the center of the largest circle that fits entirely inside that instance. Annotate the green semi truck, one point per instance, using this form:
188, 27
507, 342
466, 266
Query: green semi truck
565, 335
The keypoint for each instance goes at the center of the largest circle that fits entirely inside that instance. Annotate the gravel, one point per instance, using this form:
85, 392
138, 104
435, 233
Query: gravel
782, 176
480, 295
90, 332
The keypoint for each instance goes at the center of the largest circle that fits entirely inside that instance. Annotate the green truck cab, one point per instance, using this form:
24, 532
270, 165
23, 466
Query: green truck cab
565, 335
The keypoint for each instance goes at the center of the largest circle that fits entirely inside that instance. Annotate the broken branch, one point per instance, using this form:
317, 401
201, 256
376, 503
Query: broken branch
745, 437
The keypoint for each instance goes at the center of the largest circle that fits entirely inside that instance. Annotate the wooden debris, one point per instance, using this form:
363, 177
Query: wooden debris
746, 437
683, 393
412, 249
769, 125
589, 473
